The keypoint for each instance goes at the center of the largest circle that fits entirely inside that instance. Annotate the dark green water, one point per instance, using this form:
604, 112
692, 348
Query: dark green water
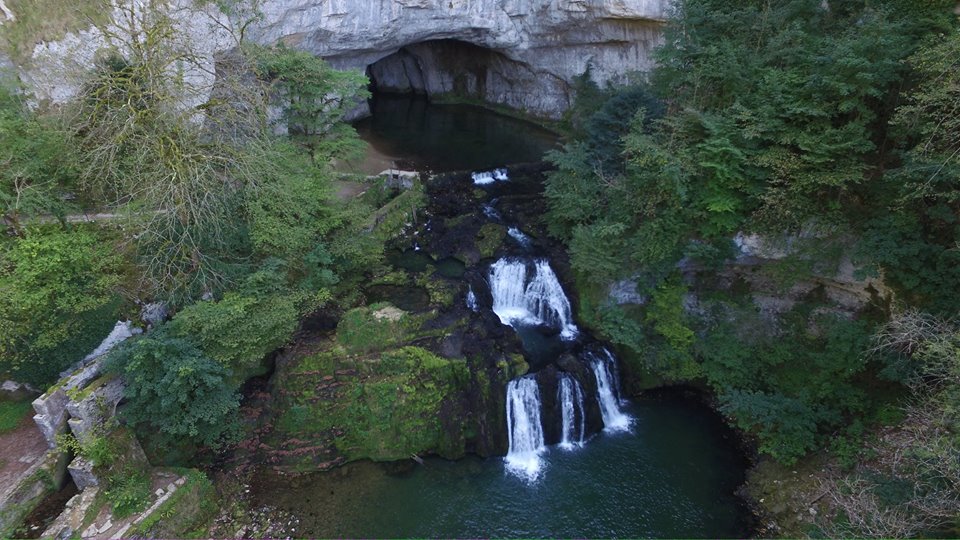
451, 137
673, 476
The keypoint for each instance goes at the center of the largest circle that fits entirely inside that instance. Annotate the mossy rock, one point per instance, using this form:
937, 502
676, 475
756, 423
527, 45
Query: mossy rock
453, 223
442, 292
405, 402
489, 238
394, 277
518, 366
376, 327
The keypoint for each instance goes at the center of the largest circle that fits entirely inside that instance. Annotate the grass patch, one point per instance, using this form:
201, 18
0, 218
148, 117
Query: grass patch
47, 20
11, 413
189, 508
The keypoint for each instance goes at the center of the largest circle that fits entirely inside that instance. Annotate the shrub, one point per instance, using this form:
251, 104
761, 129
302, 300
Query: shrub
246, 325
57, 301
174, 391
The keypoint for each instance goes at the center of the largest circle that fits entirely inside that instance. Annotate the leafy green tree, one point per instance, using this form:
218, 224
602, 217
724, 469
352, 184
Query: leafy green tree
208, 187
175, 392
314, 98
786, 426
912, 235
57, 301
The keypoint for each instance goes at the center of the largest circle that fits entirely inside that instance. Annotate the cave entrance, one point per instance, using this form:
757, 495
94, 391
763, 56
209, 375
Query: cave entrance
446, 68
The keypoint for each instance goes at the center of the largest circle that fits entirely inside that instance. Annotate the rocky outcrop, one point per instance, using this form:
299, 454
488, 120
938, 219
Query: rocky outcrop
520, 53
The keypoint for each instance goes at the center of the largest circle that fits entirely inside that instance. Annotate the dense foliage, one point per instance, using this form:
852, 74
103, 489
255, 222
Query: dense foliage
174, 390
200, 196
826, 127
57, 301
35, 163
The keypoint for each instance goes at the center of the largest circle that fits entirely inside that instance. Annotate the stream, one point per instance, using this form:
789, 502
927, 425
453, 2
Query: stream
662, 465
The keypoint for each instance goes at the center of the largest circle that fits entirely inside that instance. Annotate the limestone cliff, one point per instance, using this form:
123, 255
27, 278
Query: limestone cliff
519, 53
534, 47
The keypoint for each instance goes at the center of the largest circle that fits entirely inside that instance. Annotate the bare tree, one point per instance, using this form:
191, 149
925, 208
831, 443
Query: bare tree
173, 139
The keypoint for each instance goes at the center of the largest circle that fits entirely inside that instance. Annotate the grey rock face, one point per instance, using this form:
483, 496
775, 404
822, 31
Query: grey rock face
81, 470
90, 411
154, 313
625, 291
51, 417
535, 48
15, 391
532, 49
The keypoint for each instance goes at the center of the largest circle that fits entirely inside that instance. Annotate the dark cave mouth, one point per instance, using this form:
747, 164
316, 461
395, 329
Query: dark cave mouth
445, 67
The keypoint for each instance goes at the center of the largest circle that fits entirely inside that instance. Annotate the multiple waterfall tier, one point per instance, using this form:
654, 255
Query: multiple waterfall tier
527, 295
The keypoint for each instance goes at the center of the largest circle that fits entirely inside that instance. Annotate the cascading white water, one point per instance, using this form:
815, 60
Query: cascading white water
472, 300
538, 301
570, 396
489, 177
524, 430
521, 238
608, 391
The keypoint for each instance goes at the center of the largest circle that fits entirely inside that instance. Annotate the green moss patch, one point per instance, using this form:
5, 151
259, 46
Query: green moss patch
47, 20
373, 328
12, 413
390, 220
489, 238
382, 408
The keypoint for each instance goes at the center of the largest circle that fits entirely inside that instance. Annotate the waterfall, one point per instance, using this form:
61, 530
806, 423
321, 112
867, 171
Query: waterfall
472, 300
489, 177
524, 429
608, 391
570, 396
538, 301
521, 238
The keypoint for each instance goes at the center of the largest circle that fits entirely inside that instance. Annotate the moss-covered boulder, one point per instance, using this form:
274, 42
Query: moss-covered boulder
375, 327
405, 401
490, 238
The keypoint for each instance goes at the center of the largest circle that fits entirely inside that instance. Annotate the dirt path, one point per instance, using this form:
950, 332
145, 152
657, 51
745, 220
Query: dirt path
19, 450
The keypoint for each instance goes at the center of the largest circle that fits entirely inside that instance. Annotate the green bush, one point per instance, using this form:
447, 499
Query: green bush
174, 392
57, 301
128, 492
789, 389
246, 325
